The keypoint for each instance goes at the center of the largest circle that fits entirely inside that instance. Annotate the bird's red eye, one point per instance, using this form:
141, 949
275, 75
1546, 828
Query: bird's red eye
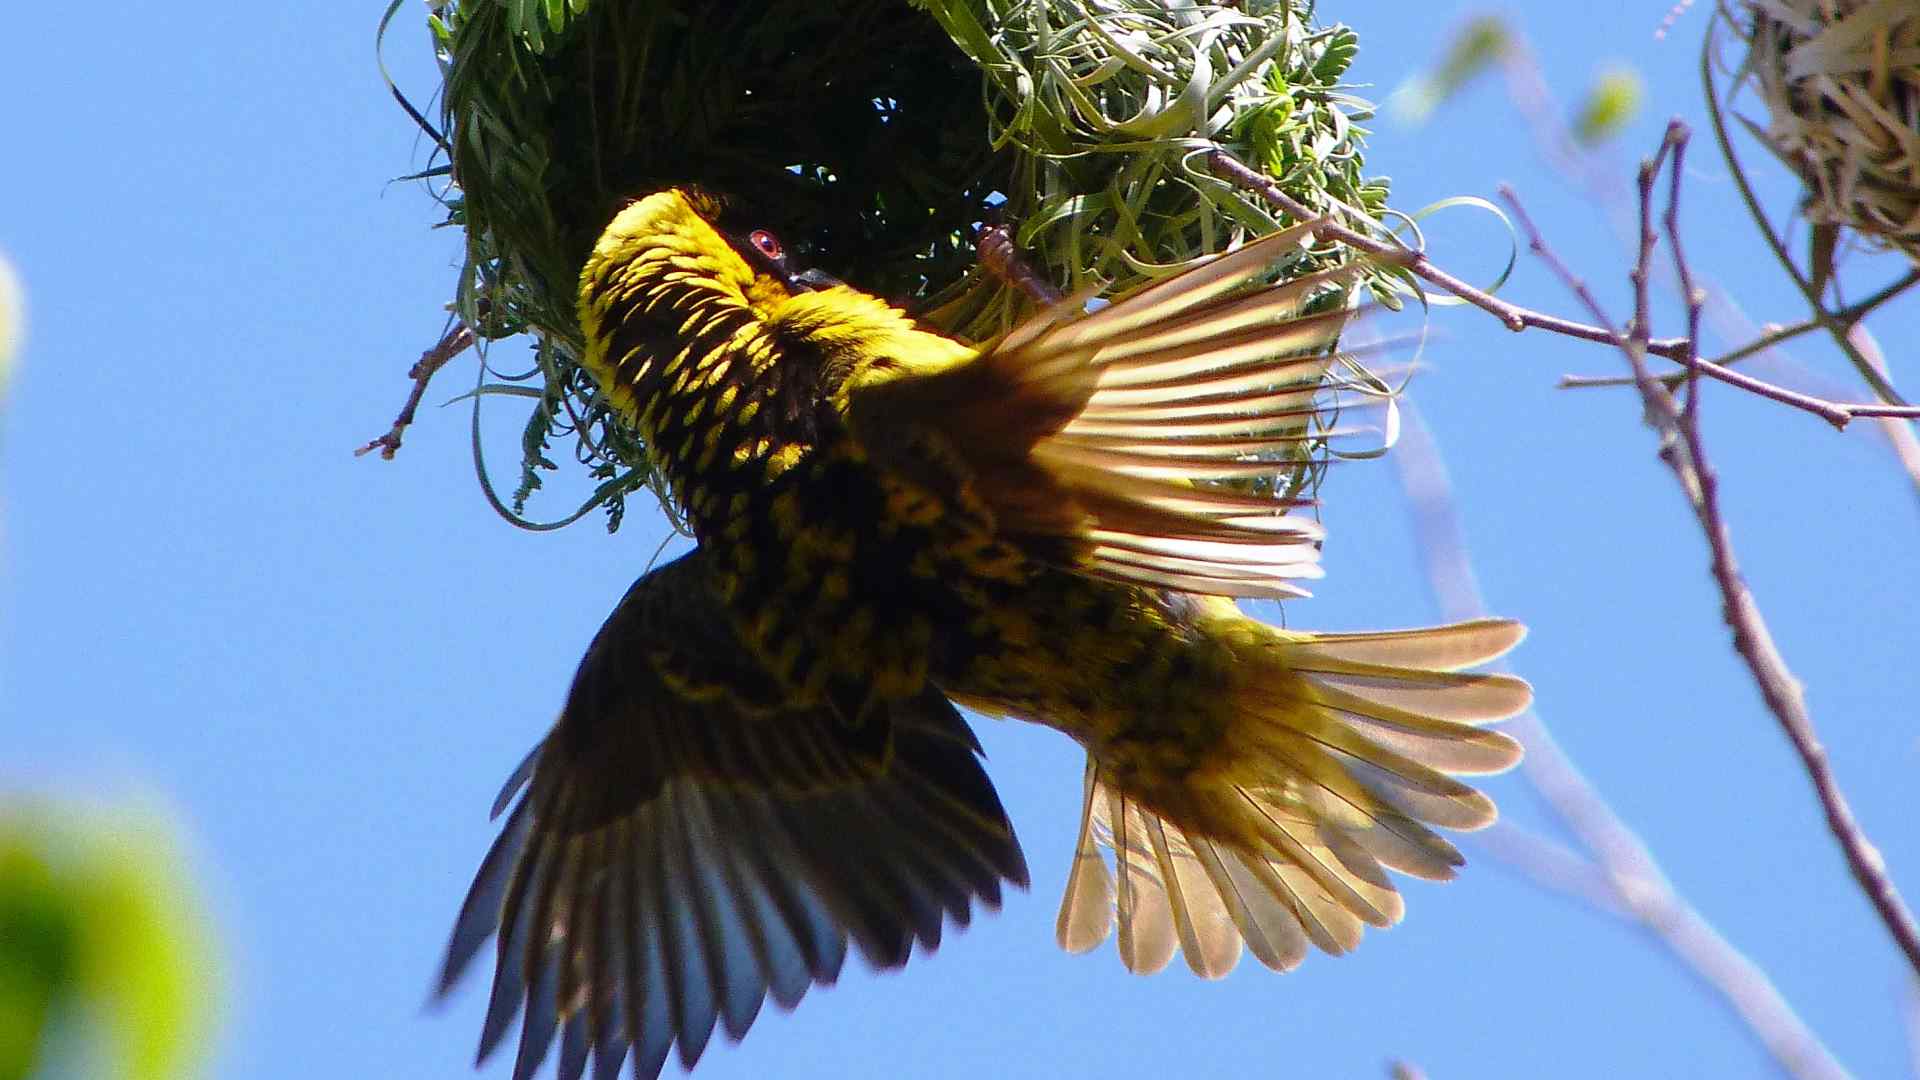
765, 243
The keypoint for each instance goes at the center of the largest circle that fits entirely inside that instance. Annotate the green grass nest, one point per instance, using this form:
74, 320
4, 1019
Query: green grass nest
875, 134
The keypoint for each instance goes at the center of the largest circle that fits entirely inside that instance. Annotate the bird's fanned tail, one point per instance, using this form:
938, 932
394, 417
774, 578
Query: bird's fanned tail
1345, 751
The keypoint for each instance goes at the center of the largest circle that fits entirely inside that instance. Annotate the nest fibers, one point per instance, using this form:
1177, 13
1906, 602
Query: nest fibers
1841, 82
873, 135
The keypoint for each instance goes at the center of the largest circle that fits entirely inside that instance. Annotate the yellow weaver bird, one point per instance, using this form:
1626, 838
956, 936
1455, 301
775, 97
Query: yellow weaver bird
759, 757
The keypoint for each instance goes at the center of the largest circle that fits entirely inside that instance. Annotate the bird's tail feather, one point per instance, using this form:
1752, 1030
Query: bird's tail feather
1342, 761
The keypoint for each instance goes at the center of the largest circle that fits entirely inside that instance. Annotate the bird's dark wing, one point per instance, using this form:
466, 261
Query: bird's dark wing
1104, 429
687, 846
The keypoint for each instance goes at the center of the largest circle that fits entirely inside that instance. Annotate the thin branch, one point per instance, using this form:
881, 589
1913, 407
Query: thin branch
1684, 452
455, 341
1850, 316
1533, 99
1837, 413
997, 253
1677, 137
1517, 318
1902, 436
1619, 874
1764, 342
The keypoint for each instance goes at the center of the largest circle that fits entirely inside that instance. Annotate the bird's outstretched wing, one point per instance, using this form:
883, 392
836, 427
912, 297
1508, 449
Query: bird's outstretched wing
1090, 438
687, 846
1103, 429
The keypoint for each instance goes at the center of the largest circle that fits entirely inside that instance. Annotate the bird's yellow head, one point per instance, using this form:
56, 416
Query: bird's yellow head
672, 270
662, 241
690, 233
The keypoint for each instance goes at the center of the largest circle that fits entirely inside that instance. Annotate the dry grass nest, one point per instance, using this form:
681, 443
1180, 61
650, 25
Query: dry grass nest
1841, 83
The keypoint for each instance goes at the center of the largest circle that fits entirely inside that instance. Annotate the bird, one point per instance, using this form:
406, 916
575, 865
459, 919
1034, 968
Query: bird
760, 759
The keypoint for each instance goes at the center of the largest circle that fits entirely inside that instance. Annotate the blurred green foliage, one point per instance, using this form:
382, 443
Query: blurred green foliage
12, 322
1610, 104
1485, 42
1476, 46
105, 951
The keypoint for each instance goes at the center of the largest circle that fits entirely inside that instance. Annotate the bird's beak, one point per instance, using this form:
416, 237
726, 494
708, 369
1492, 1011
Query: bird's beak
813, 280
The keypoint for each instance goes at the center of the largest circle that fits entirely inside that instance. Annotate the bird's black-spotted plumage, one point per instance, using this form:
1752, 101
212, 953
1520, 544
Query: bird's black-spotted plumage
760, 755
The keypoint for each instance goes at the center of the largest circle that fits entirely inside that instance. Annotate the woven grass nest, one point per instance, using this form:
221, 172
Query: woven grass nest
1841, 83
874, 135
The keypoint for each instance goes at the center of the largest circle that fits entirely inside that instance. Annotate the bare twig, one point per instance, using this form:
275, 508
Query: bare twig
1837, 413
1766, 341
1617, 874
1849, 316
1676, 142
997, 253
1517, 318
454, 342
1834, 412
1902, 436
1684, 452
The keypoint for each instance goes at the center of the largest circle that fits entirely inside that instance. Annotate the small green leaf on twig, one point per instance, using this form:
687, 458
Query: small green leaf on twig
1476, 47
1610, 105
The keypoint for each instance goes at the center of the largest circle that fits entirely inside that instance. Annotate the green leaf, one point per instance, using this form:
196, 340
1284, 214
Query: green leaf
94, 911
1609, 107
1339, 54
37, 953
1478, 46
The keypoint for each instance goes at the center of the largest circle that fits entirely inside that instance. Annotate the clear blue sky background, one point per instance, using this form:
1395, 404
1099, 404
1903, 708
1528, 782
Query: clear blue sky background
326, 665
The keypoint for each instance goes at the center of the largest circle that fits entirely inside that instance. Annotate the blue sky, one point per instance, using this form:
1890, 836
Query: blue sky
325, 665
